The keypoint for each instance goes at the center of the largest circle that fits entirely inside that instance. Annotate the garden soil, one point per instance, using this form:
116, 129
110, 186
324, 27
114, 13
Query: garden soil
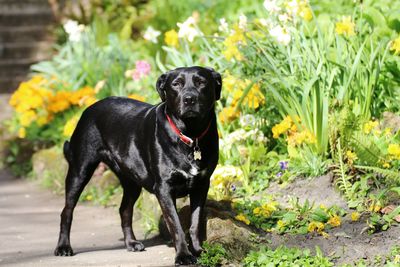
347, 243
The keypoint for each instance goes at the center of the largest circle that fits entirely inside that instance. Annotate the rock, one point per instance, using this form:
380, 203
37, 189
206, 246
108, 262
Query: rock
391, 120
49, 167
232, 235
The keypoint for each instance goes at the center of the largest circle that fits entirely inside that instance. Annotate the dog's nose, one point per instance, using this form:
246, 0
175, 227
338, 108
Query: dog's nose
189, 100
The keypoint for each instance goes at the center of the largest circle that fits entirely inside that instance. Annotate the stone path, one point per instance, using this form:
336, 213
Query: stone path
29, 223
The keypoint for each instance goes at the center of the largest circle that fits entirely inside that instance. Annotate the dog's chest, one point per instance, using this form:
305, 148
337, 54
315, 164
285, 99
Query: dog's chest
182, 180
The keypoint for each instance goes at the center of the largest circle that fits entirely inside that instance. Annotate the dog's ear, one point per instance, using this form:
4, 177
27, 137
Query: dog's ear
218, 82
160, 85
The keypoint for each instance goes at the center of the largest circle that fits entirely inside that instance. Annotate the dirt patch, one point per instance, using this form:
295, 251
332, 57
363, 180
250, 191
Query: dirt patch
317, 190
345, 244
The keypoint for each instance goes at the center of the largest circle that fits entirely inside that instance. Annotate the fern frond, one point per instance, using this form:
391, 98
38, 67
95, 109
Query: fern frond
390, 174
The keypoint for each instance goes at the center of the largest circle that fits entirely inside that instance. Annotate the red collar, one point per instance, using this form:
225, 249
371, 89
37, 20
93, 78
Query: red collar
186, 139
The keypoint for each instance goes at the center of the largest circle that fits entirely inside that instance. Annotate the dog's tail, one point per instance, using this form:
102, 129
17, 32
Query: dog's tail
67, 152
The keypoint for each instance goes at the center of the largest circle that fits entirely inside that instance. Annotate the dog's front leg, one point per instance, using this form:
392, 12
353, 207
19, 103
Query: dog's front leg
198, 221
183, 256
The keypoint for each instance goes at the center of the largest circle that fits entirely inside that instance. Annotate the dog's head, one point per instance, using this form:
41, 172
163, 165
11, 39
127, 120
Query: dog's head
190, 92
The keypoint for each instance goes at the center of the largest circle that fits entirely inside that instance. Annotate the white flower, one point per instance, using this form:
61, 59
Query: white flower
280, 34
266, 22
271, 6
74, 30
223, 25
187, 29
247, 120
151, 34
242, 21
293, 7
284, 17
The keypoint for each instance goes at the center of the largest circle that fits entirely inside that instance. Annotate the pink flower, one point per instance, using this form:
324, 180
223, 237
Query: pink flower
142, 69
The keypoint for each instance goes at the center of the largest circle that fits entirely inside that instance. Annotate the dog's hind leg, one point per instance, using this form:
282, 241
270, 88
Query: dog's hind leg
131, 194
77, 178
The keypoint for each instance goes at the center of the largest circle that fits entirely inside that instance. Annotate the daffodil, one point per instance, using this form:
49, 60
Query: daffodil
228, 114
395, 45
187, 29
151, 34
345, 27
171, 38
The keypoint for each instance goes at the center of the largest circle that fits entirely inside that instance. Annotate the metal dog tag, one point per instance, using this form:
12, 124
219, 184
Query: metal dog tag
197, 152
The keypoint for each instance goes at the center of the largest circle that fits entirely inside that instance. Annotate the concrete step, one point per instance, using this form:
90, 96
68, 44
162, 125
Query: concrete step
25, 34
23, 50
27, 19
22, 7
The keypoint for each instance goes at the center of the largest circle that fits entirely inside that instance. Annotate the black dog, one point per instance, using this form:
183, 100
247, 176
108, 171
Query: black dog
170, 149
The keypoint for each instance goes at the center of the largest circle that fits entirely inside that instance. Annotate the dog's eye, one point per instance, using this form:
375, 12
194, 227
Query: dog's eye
199, 82
177, 83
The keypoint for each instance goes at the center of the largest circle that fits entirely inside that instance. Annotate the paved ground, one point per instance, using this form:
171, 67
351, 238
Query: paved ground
29, 222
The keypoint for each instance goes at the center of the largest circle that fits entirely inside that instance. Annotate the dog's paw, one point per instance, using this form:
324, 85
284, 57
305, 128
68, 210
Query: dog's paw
63, 251
134, 245
185, 259
196, 251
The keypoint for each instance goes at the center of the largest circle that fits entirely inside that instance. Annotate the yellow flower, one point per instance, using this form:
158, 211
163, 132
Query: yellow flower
351, 156
323, 207
241, 217
375, 207
89, 197
334, 221
282, 127
59, 102
81, 96
394, 150
232, 42
298, 138
369, 126
395, 45
281, 224
228, 114
229, 82
268, 208
70, 126
137, 97
386, 165
355, 216
315, 227
27, 118
345, 26
257, 211
22, 132
325, 234
305, 11
171, 38
396, 259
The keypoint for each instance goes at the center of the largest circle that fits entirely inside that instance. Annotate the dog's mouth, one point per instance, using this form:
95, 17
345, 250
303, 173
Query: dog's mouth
190, 114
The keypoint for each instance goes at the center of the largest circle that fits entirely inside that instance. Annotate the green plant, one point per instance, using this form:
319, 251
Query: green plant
284, 256
213, 255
